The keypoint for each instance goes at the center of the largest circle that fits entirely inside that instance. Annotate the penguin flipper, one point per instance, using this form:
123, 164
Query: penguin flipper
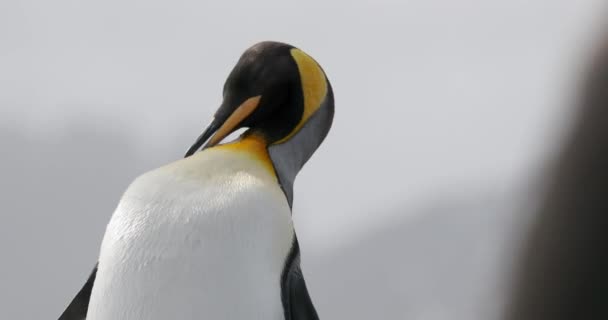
300, 304
296, 301
77, 310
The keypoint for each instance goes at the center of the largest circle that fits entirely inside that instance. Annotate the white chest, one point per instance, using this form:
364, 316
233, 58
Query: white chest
202, 238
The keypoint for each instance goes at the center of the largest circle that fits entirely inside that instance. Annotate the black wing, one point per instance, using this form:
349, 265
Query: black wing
77, 310
294, 295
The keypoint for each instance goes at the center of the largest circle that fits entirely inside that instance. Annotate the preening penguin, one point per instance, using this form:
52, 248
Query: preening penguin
211, 236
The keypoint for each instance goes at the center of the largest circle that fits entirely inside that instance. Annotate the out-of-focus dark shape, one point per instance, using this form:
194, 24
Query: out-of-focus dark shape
564, 268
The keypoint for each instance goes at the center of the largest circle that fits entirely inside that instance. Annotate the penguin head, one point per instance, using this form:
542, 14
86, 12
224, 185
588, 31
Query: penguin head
284, 97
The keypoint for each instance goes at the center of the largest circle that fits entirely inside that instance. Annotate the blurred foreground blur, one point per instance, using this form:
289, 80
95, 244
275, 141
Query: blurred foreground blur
564, 271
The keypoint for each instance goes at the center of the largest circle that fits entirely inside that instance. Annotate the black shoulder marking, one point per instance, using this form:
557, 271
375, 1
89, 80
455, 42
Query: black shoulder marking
77, 310
297, 304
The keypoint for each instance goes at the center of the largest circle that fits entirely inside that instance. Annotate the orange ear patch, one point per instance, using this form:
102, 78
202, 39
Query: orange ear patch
314, 88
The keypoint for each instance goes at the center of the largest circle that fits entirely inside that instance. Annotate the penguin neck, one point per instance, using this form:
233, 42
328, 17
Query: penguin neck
284, 161
253, 146
285, 158
289, 154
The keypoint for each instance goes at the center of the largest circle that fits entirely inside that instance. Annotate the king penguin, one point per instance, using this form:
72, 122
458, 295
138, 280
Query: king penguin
211, 236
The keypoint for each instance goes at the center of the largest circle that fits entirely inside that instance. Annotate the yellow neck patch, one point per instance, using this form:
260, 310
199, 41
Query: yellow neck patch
314, 88
255, 146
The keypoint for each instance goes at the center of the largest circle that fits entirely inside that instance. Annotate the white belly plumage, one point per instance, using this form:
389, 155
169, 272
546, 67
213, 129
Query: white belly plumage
203, 238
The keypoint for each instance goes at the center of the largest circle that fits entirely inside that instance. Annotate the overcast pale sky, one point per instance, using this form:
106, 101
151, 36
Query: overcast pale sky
432, 97
429, 94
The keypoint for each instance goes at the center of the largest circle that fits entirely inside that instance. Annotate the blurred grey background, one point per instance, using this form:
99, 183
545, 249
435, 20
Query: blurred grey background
446, 114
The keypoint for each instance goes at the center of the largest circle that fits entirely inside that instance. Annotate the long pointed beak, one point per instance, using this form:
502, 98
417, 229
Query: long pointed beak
219, 129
